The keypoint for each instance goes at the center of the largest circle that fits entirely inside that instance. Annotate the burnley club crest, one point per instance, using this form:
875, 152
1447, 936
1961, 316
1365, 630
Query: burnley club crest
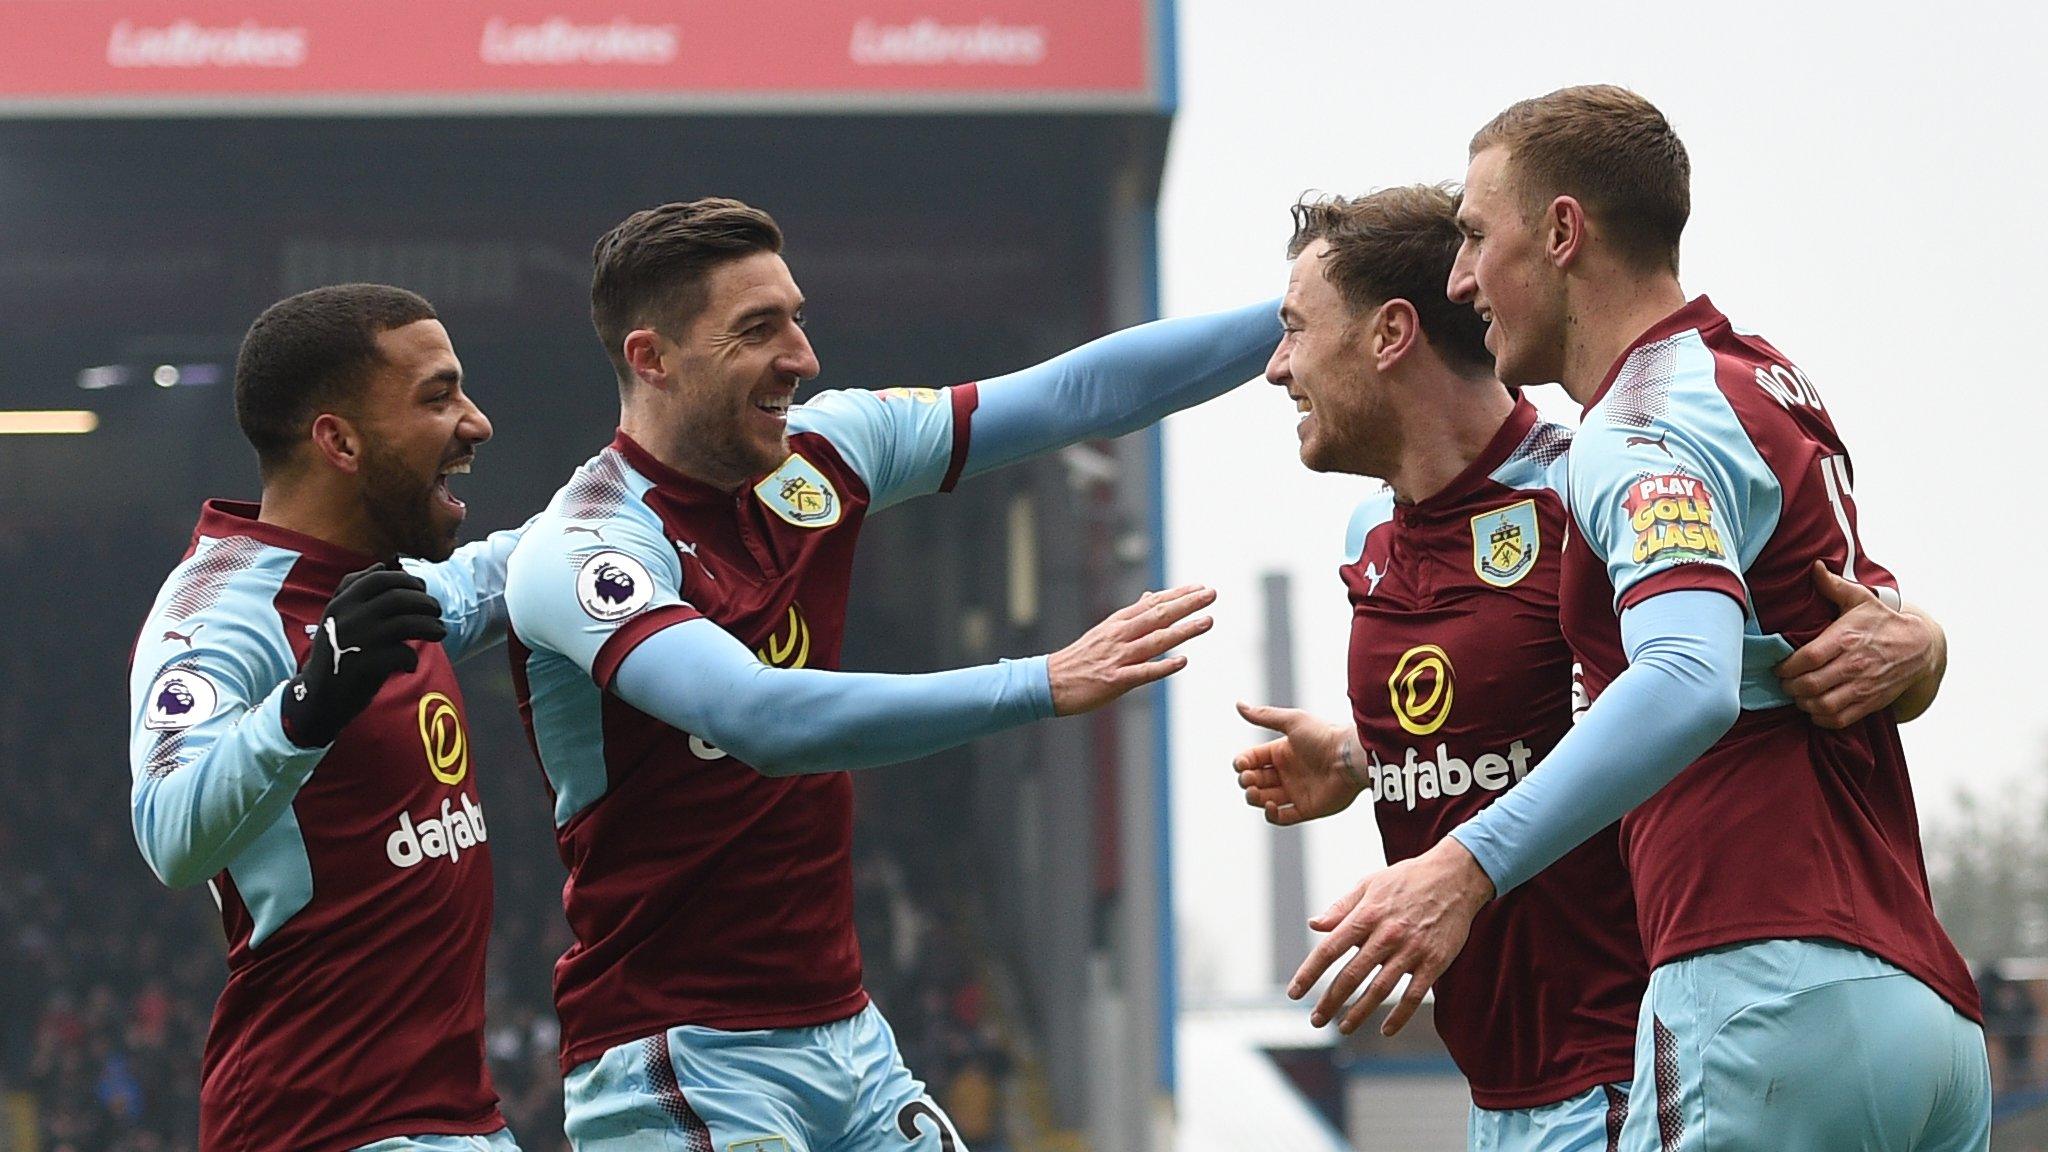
800, 494
1505, 542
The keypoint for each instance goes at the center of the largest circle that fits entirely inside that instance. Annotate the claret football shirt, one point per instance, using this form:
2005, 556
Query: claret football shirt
1460, 685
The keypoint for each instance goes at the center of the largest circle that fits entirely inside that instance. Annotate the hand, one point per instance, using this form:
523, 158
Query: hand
1868, 658
1116, 655
1409, 920
1301, 776
364, 637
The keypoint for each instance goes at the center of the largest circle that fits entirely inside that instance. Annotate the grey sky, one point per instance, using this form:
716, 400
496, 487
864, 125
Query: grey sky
1867, 192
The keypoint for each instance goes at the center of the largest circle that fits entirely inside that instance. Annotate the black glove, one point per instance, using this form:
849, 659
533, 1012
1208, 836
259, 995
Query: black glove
362, 640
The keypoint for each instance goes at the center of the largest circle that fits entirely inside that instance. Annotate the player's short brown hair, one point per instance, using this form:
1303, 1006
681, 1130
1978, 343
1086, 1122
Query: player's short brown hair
649, 270
1397, 244
1613, 152
310, 353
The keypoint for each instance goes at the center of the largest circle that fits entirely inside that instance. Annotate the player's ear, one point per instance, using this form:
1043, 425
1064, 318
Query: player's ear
338, 441
643, 349
1395, 329
1565, 231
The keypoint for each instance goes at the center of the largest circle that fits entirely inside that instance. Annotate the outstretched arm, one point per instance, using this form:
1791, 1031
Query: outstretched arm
789, 721
907, 442
1119, 383
696, 677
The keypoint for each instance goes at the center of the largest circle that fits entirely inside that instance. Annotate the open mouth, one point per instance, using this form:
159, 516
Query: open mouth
1301, 405
455, 468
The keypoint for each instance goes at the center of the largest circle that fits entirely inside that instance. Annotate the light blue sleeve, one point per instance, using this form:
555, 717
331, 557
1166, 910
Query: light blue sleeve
1665, 482
570, 585
211, 768
1669, 489
1120, 383
470, 586
696, 677
1679, 694
900, 440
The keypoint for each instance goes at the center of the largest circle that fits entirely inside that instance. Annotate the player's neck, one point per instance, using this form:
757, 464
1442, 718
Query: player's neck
337, 518
1607, 315
676, 452
1443, 434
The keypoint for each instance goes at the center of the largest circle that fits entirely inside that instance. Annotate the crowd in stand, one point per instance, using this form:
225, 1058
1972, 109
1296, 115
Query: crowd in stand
107, 979
929, 985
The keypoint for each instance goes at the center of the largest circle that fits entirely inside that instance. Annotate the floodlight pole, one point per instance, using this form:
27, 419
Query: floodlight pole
1290, 938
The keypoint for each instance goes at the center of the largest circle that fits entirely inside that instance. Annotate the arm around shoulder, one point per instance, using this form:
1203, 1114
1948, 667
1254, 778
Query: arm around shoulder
470, 587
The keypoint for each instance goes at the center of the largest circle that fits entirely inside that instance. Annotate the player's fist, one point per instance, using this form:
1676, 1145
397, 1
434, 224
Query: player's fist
1304, 775
1121, 653
363, 638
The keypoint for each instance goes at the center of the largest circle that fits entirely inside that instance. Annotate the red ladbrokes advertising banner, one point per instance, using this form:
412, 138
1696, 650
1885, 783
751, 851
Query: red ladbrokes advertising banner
130, 54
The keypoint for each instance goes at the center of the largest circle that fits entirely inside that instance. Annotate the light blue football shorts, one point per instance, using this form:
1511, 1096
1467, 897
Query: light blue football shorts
838, 1087
1797, 1045
1588, 1122
499, 1141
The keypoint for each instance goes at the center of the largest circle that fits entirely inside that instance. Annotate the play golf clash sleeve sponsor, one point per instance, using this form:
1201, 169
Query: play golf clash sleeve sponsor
1672, 516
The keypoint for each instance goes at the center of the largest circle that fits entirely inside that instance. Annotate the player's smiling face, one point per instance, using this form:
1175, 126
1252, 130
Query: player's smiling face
736, 368
418, 427
1323, 365
1502, 270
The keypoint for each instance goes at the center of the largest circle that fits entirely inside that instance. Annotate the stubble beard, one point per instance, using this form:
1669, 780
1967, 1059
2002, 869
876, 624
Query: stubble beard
402, 508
